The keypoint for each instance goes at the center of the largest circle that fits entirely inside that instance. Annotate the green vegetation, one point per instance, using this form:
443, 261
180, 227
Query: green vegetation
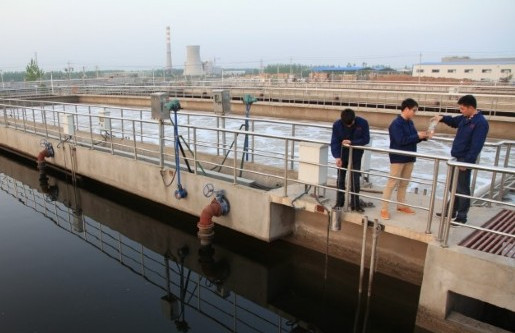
296, 69
33, 72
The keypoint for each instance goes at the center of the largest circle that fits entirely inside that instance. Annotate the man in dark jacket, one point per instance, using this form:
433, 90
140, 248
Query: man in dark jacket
403, 136
354, 131
470, 138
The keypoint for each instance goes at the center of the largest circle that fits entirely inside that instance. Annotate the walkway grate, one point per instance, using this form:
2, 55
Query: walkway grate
488, 242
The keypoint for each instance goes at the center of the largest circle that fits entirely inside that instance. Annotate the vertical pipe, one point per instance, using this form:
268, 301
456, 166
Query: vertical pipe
444, 202
451, 207
373, 256
433, 194
362, 261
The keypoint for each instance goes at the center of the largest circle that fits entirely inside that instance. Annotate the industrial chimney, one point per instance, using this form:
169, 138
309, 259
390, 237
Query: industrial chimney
193, 65
168, 51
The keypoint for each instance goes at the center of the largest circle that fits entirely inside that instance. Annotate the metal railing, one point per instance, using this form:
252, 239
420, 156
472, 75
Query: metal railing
360, 96
451, 184
131, 133
200, 293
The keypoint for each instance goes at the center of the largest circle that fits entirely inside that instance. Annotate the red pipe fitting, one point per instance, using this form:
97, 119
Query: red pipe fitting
41, 157
213, 209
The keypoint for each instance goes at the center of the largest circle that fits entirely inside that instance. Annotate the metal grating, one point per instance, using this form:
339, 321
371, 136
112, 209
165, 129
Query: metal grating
493, 243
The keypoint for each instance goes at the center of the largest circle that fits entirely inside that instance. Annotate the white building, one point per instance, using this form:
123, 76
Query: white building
492, 69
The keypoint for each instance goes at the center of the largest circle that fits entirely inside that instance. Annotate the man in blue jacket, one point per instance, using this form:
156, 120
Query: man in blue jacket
470, 138
354, 131
403, 136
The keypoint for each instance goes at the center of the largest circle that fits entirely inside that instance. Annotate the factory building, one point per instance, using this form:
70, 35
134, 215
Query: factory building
491, 69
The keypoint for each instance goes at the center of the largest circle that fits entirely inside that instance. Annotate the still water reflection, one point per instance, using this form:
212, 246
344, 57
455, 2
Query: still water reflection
75, 261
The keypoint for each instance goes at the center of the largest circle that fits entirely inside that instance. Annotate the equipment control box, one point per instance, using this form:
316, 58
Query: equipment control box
157, 102
222, 101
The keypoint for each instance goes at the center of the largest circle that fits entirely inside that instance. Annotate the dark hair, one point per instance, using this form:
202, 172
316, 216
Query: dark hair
409, 103
468, 100
347, 116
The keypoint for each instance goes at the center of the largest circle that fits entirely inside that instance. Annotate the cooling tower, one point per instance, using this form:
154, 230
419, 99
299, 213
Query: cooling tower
193, 65
168, 51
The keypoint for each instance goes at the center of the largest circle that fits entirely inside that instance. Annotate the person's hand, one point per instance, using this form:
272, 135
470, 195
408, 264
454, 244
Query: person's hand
339, 162
462, 168
346, 142
437, 118
429, 134
422, 135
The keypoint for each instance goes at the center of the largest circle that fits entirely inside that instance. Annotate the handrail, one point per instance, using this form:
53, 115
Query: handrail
453, 164
148, 135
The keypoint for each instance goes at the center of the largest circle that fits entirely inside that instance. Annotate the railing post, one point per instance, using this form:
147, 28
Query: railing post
253, 139
292, 153
195, 149
90, 127
494, 175
474, 177
5, 116
235, 158
43, 118
134, 139
503, 177
433, 194
286, 168
348, 179
34, 119
444, 202
217, 134
23, 115
123, 127
161, 144
451, 207
141, 126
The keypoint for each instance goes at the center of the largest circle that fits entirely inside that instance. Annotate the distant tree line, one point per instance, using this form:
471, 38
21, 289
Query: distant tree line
296, 69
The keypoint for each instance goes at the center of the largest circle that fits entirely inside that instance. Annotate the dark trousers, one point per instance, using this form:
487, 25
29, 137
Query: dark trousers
461, 205
355, 186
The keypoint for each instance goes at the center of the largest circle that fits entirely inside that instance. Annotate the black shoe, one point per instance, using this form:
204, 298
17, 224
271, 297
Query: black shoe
358, 209
460, 220
440, 214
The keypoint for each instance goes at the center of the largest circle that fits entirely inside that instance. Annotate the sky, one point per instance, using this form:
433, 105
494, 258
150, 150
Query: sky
130, 35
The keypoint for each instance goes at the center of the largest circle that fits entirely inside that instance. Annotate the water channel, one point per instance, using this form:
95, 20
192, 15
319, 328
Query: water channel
90, 258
